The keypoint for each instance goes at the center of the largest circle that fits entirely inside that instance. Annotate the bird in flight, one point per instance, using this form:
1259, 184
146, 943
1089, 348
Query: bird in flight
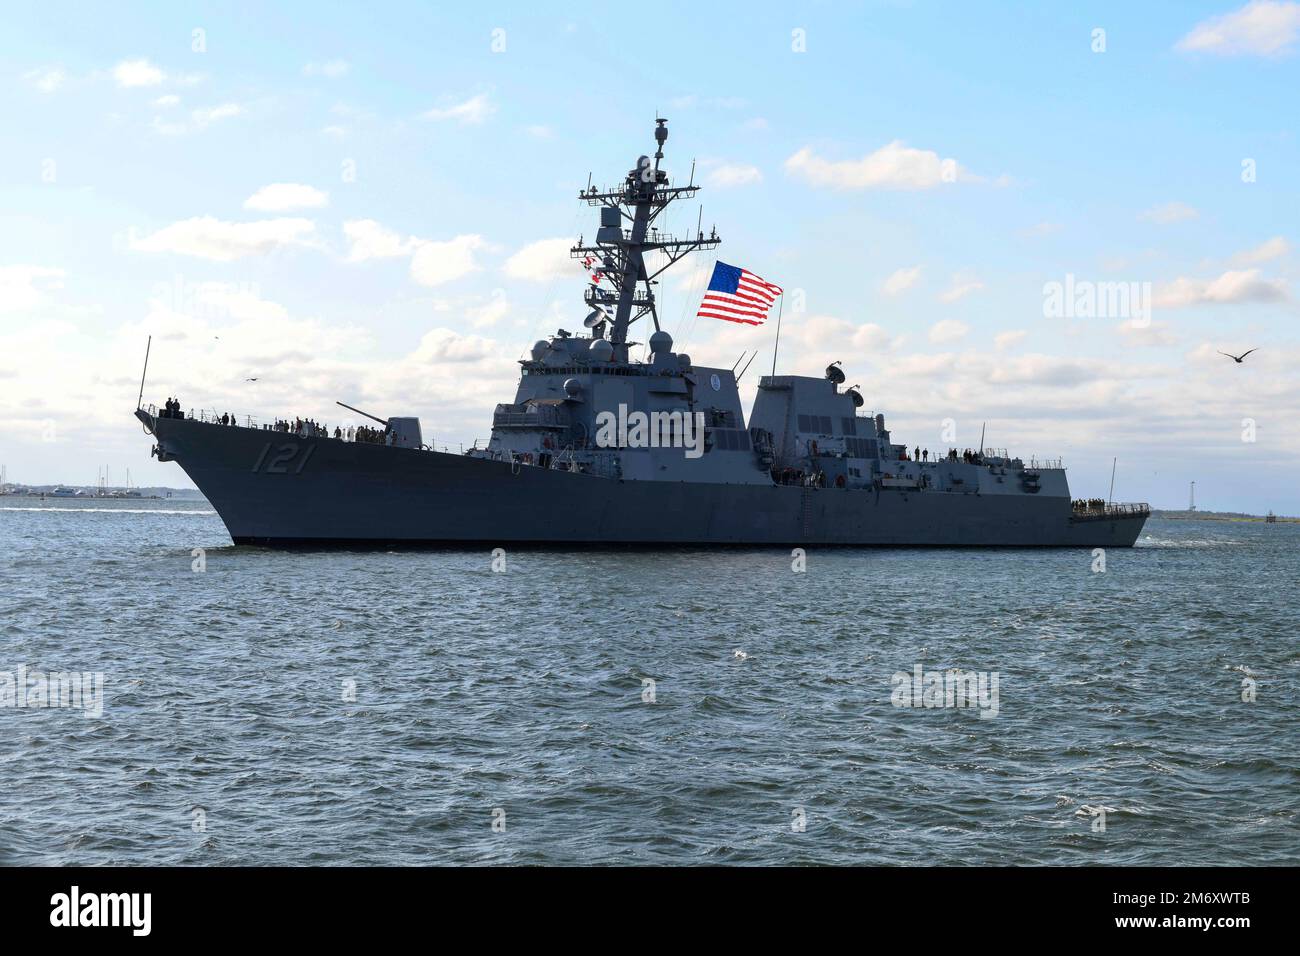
1237, 358
250, 380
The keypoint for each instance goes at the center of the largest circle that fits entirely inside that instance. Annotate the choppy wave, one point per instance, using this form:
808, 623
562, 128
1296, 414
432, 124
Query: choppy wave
648, 707
1152, 541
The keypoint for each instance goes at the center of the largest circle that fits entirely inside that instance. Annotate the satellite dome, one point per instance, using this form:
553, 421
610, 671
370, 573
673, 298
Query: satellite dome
540, 348
661, 342
572, 387
601, 350
684, 360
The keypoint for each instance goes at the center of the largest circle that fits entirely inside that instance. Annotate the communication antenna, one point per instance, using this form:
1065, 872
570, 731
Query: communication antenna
1110, 497
746, 368
780, 305
145, 371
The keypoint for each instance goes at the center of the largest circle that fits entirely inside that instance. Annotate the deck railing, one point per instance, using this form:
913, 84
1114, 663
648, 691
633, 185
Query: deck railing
1088, 510
211, 416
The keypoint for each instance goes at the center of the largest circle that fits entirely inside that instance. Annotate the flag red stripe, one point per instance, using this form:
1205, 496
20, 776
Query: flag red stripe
740, 302
756, 299
759, 288
732, 308
747, 276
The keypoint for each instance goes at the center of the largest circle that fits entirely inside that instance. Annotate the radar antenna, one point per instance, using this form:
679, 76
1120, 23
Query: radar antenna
619, 253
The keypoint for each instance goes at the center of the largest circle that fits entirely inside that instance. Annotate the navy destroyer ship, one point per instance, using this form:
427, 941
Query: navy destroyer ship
599, 448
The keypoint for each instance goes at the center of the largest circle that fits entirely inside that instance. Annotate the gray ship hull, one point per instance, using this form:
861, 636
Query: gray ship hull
277, 489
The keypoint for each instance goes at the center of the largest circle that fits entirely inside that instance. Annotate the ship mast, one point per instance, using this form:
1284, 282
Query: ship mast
620, 253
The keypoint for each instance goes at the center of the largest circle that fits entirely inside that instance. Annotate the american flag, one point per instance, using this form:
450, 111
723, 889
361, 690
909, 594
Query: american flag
738, 295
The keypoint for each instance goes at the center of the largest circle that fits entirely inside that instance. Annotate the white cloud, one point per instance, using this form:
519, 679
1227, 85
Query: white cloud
47, 79
164, 102
130, 73
335, 132
1260, 28
948, 330
199, 119
448, 345
1232, 287
204, 117
734, 174
369, 240
1147, 333
472, 111
206, 237
542, 260
23, 287
1004, 340
820, 331
540, 131
1170, 212
279, 197
901, 280
1044, 370
1270, 249
330, 68
961, 287
489, 313
233, 300
757, 124
893, 166
434, 263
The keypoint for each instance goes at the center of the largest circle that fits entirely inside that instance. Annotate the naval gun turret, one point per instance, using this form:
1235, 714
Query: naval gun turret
402, 432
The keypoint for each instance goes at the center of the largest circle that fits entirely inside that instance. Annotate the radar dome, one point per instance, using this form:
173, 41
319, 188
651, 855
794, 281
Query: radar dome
601, 350
684, 360
540, 348
661, 342
572, 387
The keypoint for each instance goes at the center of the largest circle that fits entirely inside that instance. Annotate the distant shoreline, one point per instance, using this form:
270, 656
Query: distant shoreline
113, 494
1185, 515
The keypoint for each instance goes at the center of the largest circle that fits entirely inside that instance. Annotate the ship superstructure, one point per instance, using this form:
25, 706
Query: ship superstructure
599, 447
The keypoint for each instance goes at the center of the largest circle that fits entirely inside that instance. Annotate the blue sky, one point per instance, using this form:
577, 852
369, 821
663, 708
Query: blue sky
367, 205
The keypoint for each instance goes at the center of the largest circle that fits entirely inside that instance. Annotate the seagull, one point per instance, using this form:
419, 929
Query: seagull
250, 380
1237, 358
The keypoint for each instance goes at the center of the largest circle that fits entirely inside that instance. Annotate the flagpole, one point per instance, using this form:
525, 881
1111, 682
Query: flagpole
779, 309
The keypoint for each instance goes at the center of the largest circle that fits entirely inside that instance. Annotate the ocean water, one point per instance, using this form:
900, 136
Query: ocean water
420, 708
